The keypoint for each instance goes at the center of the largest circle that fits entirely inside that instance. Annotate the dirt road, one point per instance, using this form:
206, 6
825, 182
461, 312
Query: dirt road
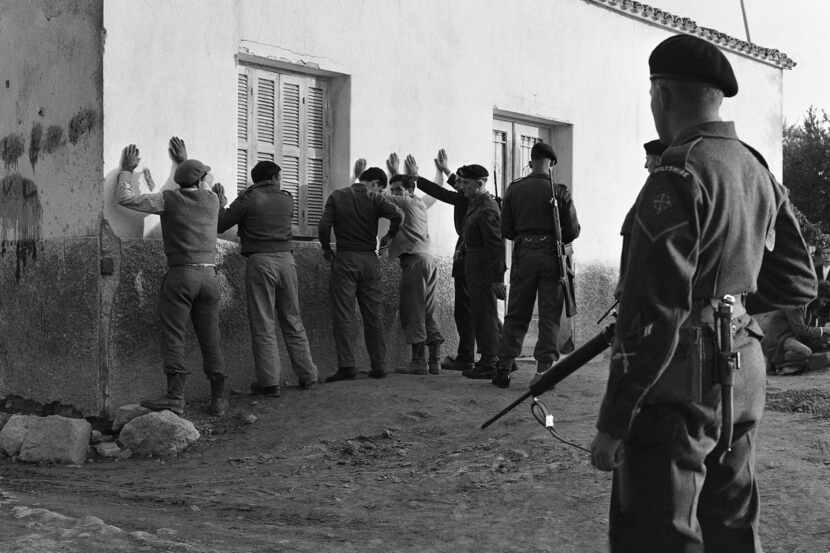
394, 465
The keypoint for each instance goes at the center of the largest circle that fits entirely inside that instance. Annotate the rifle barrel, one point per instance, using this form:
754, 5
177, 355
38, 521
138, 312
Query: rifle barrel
506, 410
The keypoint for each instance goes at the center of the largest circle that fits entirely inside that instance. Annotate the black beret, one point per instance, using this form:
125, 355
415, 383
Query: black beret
473, 171
654, 148
374, 173
540, 150
264, 170
688, 58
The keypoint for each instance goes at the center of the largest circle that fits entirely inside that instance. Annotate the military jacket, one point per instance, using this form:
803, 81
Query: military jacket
353, 213
710, 220
483, 244
262, 214
527, 209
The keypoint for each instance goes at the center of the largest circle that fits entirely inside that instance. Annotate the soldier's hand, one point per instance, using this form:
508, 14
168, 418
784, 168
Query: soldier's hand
328, 255
411, 166
393, 164
441, 162
176, 149
359, 167
130, 158
219, 190
562, 193
500, 290
606, 452
148, 178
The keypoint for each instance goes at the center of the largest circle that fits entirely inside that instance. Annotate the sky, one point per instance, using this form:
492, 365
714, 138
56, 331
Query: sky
797, 27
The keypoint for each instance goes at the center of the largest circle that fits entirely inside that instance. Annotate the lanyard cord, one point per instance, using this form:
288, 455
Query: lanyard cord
545, 418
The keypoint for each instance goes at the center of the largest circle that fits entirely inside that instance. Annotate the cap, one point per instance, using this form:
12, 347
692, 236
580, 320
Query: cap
189, 172
654, 148
472, 172
689, 58
540, 150
264, 170
374, 173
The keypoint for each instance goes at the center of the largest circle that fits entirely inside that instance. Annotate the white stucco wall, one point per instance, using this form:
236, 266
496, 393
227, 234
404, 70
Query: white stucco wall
423, 74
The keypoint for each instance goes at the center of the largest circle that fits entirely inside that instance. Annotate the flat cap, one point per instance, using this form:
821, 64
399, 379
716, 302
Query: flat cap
374, 173
540, 150
264, 170
473, 171
688, 58
654, 148
189, 172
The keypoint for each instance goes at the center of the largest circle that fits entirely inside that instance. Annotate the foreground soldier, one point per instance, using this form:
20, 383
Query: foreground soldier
190, 291
711, 220
527, 219
353, 213
419, 273
483, 254
263, 214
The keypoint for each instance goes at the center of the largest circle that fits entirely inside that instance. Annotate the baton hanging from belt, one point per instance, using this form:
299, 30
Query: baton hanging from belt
728, 362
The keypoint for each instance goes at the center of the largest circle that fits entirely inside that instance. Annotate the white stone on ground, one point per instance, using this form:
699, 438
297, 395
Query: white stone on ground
158, 434
55, 439
108, 449
126, 413
11, 437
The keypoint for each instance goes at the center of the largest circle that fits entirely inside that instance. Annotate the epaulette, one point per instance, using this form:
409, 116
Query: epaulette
756, 153
675, 158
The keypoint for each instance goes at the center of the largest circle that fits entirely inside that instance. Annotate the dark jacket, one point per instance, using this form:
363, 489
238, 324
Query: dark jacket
711, 220
188, 226
453, 197
527, 209
483, 243
263, 214
354, 214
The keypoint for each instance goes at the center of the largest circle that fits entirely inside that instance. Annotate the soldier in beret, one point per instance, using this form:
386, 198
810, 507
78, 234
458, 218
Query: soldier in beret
527, 219
189, 291
483, 254
262, 214
711, 220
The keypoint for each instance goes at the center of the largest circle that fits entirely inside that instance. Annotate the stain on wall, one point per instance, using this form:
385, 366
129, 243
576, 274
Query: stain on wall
11, 148
20, 216
35, 144
54, 139
80, 124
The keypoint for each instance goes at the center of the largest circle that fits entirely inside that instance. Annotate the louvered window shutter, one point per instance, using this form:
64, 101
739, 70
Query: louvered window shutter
315, 153
290, 135
243, 94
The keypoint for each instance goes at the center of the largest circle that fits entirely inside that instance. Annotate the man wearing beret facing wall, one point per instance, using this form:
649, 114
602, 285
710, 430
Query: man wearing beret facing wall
483, 253
189, 292
353, 214
710, 220
263, 215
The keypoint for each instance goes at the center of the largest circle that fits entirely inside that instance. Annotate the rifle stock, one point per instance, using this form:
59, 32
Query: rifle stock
562, 369
562, 257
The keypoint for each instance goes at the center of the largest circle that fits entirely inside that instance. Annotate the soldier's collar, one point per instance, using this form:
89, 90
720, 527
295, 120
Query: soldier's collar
710, 129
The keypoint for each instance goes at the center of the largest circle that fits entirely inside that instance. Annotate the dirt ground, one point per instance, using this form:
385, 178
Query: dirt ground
394, 465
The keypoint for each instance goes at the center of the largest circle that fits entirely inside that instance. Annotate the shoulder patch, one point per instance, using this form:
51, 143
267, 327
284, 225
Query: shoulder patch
664, 204
672, 169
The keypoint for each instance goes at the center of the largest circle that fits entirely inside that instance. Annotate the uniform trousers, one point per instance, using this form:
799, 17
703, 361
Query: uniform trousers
534, 274
673, 492
357, 275
483, 306
190, 293
419, 275
462, 313
271, 290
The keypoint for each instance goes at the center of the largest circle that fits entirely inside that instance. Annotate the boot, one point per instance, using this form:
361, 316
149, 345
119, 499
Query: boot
218, 396
173, 400
501, 378
343, 373
485, 369
451, 363
434, 356
418, 365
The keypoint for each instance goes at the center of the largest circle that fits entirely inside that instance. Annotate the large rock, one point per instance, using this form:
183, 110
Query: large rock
4, 418
126, 413
12, 434
55, 439
158, 434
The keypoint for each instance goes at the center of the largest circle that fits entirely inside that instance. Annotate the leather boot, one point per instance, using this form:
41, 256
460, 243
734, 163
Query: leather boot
343, 373
485, 369
418, 365
451, 363
218, 396
502, 376
434, 356
173, 400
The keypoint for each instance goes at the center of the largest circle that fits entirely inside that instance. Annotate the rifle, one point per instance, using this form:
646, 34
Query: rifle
562, 369
559, 245
496, 186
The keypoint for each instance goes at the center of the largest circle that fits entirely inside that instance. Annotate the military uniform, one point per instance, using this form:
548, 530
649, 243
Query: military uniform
353, 213
710, 221
527, 219
263, 215
483, 253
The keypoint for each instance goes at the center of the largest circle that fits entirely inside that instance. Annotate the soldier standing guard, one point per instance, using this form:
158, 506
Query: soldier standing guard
190, 291
483, 253
527, 219
263, 215
353, 213
711, 220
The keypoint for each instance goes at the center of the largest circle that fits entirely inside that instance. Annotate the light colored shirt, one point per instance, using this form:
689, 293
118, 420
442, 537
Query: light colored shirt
413, 235
129, 197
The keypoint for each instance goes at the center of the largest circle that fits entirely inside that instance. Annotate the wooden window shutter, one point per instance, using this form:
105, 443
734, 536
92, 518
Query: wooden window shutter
242, 130
290, 152
265, 96
315, 153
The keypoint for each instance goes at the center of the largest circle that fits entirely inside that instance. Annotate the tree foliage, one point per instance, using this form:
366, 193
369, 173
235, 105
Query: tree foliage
807, 172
